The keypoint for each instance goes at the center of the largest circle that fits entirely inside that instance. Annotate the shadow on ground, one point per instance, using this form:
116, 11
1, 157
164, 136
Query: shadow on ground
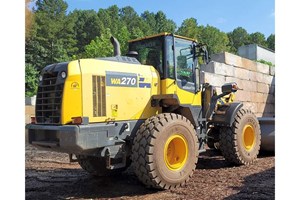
77, 184
256, 186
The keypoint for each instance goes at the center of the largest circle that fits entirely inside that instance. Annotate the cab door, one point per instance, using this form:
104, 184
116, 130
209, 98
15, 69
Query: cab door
180, 69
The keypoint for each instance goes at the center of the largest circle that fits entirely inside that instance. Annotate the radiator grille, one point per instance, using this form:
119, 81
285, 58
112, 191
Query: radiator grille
99, 96
49, 99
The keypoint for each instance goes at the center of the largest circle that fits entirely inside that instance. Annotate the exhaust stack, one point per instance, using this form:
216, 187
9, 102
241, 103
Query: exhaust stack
116, 44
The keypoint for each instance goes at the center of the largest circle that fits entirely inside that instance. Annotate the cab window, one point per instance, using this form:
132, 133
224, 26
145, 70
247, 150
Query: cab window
184, 63
149, 52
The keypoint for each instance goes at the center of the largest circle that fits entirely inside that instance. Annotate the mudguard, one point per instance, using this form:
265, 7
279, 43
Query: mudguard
224, 116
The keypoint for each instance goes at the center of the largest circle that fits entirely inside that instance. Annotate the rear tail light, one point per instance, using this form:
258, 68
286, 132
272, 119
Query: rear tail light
77, 120
33, 120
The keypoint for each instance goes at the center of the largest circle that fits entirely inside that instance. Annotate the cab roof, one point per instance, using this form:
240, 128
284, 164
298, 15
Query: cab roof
162, 34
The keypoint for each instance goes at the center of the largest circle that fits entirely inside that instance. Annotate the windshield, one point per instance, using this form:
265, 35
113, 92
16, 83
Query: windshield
150, 52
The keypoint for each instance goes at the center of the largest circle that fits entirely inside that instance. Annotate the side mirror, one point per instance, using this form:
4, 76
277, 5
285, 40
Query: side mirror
229, 87
200, 50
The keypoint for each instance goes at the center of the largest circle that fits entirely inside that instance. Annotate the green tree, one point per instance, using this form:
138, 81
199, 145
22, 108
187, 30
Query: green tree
189, 28
130, 18
29, 18
238, 37
258, 38
100, 46
31, 80
163, 24
54, 31
216, 40
137, 33
86, 27
149, 23
271, 42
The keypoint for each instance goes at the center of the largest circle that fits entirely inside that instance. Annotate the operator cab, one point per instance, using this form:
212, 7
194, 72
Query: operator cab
174, 57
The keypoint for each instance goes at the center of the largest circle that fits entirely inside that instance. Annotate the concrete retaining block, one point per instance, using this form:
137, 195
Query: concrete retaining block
268, 79
261, 107
29, 112
248, 64
255, 80
242, 73
260, 77
218, 68
263, 88
258, 114
242, 95
234, 79
251, 106
249, 85
252, 76
231, 59
214, 79
257, 97
272, 71
265, 78
263, 68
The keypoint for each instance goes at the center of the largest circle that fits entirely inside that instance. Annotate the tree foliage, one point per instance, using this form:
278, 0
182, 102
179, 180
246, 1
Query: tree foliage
258, 38
216, 40
100, 46
189, 28
31, 80
271, 42
29, 17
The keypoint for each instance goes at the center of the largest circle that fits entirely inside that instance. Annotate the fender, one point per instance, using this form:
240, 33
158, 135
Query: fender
192, 113
224, 116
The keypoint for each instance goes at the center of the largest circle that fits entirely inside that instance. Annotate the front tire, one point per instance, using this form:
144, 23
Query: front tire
165, 151
240, 143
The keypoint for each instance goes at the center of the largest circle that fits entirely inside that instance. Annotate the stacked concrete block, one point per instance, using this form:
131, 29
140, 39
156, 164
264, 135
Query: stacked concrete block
255, 80
29, 112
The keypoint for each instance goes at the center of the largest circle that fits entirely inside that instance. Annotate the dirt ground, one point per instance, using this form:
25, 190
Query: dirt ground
50, 175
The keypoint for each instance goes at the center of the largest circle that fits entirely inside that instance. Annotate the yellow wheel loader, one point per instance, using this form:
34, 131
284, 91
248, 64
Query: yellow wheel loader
148, 108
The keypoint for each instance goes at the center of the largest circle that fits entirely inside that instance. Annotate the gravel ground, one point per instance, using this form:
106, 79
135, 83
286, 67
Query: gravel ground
49, 175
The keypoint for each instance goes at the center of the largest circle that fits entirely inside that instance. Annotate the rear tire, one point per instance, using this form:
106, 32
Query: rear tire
240, 143
165, 151
97, 166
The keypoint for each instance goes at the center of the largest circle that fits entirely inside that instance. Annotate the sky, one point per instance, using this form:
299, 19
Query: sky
252, 15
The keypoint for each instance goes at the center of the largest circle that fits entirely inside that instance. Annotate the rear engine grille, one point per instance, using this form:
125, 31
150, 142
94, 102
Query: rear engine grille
49, 99
99, 96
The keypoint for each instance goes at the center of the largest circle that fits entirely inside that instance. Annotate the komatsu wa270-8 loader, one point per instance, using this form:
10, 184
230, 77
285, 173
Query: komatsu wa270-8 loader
147, 108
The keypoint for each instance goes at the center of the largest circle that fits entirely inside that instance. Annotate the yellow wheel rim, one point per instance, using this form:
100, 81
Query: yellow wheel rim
248, 137
175, 152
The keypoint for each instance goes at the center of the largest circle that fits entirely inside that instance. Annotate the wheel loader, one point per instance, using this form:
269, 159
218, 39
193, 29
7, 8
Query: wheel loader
149, 108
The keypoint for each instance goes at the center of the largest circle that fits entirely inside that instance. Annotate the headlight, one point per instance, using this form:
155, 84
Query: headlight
40, 77
63, 74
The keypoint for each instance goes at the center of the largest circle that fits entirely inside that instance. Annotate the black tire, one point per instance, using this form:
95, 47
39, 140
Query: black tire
165, 151
97, 166
240, 143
